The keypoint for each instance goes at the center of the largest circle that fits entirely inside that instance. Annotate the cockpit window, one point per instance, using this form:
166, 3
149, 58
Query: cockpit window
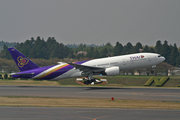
159, 56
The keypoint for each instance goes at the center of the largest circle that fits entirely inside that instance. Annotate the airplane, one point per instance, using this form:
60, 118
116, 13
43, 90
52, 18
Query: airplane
108, 66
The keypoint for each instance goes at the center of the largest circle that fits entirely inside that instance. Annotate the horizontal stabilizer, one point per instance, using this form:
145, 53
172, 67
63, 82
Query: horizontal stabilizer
23, 74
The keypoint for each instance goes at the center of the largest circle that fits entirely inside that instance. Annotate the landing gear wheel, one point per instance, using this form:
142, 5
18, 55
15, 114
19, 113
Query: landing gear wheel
93, 80
87, 82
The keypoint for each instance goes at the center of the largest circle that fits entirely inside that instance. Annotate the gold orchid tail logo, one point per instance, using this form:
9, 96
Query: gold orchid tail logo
22, 61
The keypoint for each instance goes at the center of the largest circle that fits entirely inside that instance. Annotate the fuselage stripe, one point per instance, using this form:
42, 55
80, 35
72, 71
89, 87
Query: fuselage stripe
51, 71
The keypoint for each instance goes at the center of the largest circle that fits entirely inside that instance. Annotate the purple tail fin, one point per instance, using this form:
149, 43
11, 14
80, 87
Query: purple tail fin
22, 61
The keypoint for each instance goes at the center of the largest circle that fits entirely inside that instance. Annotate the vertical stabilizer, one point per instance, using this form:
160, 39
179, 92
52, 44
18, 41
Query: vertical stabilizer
22, 61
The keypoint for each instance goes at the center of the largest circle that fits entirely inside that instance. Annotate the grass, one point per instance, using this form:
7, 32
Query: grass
29, 82
76, 102
116, 81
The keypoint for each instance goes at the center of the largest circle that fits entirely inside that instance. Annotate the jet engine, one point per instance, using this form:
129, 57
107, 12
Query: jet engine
112, 71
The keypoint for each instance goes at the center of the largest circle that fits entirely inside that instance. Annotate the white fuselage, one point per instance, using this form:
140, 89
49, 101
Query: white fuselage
124, 62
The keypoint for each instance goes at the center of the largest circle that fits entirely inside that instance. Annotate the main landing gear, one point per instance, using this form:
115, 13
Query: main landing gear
90, 79
87, 82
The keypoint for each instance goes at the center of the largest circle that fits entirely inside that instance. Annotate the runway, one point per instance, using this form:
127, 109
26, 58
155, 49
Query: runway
69, 113
162, 94
76, 113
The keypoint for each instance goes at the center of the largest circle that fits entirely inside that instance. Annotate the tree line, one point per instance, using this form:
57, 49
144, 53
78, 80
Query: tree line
50, 49
9, 44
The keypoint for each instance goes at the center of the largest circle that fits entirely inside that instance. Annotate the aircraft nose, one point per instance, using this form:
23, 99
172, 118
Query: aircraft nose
163, 59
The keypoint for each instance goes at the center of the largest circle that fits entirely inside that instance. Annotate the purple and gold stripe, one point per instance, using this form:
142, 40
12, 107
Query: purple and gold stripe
58, 71
52, 71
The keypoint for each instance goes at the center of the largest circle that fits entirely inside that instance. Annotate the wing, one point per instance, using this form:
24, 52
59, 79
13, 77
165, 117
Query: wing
87, 69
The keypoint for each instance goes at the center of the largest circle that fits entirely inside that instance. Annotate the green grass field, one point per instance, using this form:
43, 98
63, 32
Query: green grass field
120, 81
117, 81
29, 82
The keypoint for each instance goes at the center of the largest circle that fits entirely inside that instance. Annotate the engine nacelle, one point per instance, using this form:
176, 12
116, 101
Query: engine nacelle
112, 71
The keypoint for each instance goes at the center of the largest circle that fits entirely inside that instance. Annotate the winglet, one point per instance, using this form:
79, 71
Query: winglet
22, 61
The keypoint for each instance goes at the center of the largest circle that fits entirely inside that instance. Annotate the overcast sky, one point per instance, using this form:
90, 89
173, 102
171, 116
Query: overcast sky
91, 21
